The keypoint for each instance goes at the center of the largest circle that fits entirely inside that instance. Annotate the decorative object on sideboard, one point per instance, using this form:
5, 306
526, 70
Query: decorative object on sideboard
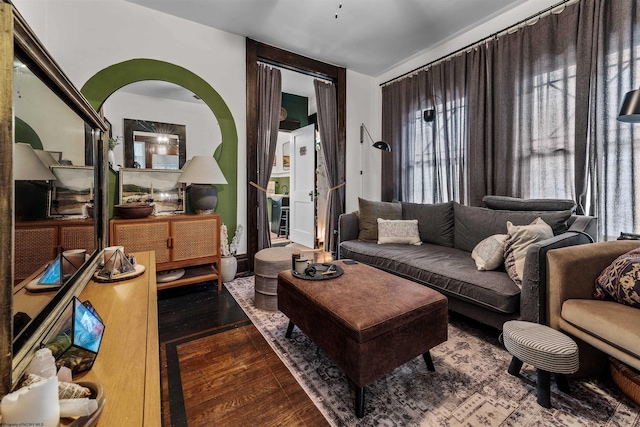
630, 109
113, 143
228, 261
133, 210
76, 338
202, 172
29, 174
118, 266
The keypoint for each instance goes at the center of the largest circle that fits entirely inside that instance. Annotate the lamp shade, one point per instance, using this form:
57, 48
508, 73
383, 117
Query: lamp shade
630, 110
380, 145
46, 158
202, 170
27, 166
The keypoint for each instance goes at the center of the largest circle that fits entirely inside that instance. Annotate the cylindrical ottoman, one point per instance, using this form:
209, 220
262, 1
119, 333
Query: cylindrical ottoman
267, 264
548, 350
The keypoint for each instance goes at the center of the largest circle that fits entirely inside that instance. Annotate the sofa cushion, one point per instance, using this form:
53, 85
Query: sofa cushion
489, 253
398, 231
613, 323
517, 245
517, 204
473, 224
369, 212
435, 221
447, 270
621, 280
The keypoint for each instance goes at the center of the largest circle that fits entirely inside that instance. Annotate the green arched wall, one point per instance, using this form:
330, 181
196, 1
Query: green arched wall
99, 87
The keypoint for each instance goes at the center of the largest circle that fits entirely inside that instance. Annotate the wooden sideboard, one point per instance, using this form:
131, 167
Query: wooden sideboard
128, 362
185, 241
39, 242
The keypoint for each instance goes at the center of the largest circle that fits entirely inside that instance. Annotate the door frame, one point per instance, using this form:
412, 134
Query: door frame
260, 52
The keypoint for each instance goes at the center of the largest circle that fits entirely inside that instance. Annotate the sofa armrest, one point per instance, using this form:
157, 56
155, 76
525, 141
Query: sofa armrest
533, 295
584, 224
348, 229
572, 272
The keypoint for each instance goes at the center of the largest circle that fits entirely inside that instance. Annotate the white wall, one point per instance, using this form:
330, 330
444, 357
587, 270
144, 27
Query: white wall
203, 133
87, 36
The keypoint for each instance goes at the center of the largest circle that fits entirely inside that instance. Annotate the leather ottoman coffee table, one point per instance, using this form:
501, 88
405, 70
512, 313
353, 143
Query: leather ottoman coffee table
368, 321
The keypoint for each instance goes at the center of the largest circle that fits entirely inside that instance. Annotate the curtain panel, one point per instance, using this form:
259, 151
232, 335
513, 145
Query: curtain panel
334, 154
269, 102
528, 114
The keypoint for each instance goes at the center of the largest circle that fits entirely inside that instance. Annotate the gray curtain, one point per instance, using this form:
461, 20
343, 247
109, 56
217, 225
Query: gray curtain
334, 154
528, 114
269, 102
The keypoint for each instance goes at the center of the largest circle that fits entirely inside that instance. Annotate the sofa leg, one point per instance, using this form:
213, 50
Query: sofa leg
562, 383
515, 366
289, 329
427, 359
543, 388
359, 401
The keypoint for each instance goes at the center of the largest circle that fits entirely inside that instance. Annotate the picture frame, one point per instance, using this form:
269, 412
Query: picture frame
162, 186
70, 192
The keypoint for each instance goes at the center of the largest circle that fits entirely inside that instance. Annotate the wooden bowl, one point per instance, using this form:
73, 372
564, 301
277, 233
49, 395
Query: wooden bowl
133, 210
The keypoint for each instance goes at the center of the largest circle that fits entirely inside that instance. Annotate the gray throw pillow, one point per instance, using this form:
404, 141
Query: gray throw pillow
473, 224
435, 221
368, 215
516, 204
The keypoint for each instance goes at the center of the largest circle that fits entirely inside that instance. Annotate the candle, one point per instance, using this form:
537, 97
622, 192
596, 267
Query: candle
152, 190
91, 190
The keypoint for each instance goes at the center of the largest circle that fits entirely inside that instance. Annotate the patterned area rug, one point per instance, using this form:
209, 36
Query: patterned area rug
470, 387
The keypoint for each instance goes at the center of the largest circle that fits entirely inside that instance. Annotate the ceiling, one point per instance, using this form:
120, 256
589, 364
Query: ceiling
368, 36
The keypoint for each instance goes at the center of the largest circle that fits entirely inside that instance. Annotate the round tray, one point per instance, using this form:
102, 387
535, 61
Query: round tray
139, 269
320, 268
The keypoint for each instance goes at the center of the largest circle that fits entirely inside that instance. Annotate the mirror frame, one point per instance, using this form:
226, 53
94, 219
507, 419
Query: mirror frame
17, 37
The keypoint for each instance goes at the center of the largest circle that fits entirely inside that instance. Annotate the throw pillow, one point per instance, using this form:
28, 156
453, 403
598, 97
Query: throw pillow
518, 242
369, 214
489, 253
435, 221
621, 280
398, 231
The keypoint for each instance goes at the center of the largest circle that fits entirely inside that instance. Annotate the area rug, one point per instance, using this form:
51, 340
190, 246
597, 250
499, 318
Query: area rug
470, 387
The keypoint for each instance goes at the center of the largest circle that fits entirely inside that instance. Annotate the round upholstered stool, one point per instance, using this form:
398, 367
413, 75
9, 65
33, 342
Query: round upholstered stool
548, 350
267, 264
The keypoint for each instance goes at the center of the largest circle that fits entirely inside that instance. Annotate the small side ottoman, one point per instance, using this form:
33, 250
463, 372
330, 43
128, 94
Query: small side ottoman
267, 264
548, 350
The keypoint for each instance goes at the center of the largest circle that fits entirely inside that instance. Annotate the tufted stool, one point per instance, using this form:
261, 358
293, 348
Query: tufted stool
548, 350
267, 264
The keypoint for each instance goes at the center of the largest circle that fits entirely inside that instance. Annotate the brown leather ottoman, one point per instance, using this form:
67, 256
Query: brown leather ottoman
368, 321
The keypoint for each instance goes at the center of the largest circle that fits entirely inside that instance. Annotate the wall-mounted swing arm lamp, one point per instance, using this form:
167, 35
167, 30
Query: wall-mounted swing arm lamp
381, 145
630, 110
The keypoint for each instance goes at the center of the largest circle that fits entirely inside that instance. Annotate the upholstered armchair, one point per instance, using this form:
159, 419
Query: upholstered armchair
608, 326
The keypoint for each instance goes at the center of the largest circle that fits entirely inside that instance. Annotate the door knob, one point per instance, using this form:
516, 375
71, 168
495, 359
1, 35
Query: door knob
311, 195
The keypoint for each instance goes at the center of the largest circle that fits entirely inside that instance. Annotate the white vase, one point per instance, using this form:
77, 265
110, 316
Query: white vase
112, 158
228, 268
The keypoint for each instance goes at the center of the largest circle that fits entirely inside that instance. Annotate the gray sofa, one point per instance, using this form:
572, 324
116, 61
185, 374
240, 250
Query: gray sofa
449, 232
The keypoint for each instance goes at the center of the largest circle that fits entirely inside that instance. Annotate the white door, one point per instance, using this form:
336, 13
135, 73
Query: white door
302, 218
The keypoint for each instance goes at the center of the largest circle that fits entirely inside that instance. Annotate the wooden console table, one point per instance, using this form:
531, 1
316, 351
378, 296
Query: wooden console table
184, 241
128, 362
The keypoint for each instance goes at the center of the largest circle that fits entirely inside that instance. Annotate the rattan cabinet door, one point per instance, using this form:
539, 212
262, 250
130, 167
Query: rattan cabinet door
77, 237
34, 247
195, 238
139, 236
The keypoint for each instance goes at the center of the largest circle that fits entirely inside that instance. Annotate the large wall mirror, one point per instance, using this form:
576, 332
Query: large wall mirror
54, 122
155, 145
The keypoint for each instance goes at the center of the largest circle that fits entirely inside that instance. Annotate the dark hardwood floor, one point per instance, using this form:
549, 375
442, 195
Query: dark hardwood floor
217, 369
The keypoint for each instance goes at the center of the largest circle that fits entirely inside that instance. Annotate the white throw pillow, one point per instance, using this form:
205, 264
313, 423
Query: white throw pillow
518, 242
489, 253
398, 231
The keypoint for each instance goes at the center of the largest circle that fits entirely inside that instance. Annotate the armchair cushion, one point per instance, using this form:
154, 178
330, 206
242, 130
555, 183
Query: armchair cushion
621, 280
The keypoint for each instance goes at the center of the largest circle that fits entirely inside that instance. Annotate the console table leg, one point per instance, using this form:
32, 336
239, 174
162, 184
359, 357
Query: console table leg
428, 361
289, 329
359, 401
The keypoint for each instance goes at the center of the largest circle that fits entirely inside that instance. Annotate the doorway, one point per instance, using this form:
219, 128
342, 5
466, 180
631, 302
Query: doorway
257, 51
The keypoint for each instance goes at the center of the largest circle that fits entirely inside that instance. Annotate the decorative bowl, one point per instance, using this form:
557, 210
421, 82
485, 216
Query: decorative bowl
133, 210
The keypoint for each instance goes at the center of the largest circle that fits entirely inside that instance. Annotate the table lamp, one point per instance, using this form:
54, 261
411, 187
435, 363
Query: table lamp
202, 172
27, 168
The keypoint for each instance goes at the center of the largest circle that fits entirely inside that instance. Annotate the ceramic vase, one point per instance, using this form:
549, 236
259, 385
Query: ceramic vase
112, 158
228, 266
